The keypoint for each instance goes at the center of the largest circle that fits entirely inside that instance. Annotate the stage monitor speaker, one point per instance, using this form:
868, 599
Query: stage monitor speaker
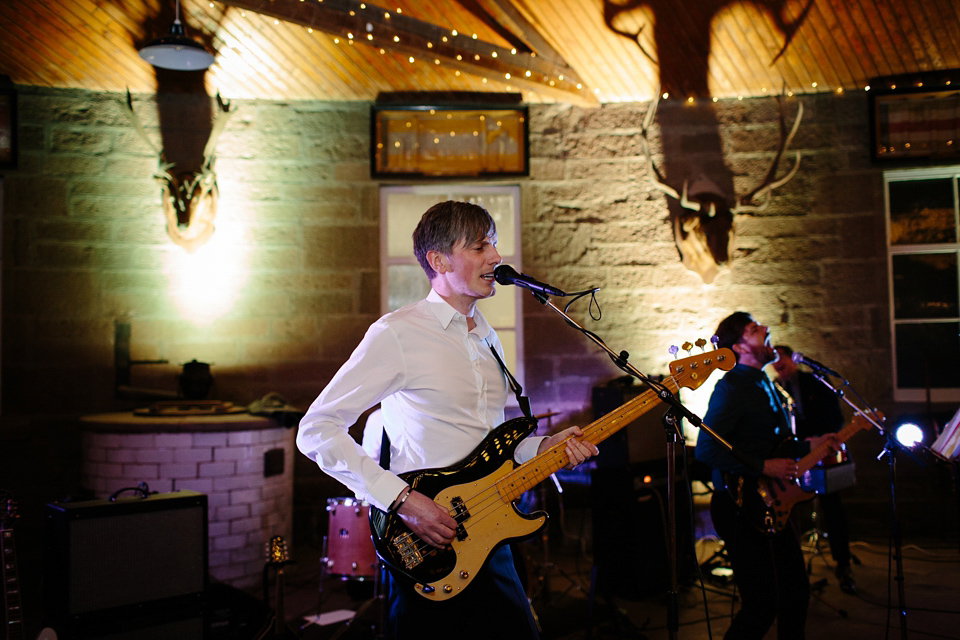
129, 556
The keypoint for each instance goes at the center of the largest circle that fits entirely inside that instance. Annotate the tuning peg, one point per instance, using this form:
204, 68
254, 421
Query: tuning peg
701, 343
687, 346
673, 350
714, 340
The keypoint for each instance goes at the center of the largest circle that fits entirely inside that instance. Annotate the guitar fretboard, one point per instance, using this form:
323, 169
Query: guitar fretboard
539, 468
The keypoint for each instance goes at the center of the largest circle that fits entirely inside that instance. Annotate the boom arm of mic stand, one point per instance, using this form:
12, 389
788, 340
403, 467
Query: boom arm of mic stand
662, 392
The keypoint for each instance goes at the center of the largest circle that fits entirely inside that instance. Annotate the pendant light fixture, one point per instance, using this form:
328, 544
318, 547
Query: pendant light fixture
176, 50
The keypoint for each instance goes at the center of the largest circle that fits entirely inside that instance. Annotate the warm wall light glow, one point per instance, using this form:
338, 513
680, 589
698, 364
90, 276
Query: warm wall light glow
205, 284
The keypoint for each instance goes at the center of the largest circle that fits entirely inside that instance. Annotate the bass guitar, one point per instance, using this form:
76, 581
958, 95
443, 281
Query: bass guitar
14, 628
767, 502
480, 490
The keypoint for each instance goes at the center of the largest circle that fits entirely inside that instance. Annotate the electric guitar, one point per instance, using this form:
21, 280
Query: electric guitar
479, 490
767, 502
8, 574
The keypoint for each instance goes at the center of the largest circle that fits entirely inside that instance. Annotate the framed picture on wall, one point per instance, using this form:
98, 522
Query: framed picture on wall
8, 128
915, 119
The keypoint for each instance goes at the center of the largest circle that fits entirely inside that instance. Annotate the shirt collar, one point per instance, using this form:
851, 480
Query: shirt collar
445, 314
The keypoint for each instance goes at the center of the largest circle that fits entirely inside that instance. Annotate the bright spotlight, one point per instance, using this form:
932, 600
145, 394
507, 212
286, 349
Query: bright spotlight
909, 434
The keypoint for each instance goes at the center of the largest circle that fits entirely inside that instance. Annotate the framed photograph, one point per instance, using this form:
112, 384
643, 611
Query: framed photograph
8, 128
915, 120
444, 140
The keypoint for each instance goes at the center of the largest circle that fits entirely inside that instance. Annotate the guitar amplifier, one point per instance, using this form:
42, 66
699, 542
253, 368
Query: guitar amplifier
128, 557
830, 478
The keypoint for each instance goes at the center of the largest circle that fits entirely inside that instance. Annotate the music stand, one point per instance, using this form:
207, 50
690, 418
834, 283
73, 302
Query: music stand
947, 448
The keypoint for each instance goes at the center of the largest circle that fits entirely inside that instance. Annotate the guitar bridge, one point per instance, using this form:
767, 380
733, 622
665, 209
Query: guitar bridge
406, 548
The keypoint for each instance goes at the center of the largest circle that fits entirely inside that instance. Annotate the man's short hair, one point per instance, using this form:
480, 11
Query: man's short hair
445, 224
731, 328
782, 347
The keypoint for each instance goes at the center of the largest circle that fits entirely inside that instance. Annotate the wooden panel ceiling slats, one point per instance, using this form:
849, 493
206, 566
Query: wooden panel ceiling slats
413, 36
945, 53
698, 52
88, 33
601, 46
737, 68
326, 64
835, 71
857, 47
899, 40
785, 72
906, 19
948, 13
838, 39
257, 52
764, 77
46, 43
874, 32
283, 52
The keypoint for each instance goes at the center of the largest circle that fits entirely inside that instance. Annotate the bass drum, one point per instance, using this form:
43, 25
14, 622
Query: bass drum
349, 548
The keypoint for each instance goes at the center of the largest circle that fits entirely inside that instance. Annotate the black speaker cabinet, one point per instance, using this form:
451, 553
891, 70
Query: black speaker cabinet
125, 557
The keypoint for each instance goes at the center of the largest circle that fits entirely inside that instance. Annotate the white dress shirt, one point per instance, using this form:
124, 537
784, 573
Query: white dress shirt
441, 392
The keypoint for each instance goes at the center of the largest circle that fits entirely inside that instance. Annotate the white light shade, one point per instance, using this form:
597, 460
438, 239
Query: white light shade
176, 51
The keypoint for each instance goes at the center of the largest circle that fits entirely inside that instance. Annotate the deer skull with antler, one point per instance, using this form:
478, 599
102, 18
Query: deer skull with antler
704, 229
189, 198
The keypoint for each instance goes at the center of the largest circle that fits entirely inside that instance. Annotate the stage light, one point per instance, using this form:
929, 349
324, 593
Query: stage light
909, 434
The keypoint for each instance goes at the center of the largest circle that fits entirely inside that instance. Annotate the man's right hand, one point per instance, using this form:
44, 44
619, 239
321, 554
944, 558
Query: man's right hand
428, 520
782, 468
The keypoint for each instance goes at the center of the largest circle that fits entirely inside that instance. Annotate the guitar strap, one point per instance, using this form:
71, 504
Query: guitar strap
522, 400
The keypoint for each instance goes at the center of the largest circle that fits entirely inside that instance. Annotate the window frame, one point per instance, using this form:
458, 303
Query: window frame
936, 394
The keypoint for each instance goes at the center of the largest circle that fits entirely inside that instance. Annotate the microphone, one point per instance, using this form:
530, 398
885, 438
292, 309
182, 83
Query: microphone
799, 358
505, 274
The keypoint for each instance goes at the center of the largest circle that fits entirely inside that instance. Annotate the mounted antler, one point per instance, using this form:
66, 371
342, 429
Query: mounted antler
189, 198
703, 231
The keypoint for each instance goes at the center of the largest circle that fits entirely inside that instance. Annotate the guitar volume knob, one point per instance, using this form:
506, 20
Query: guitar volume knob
464, 574
447, 588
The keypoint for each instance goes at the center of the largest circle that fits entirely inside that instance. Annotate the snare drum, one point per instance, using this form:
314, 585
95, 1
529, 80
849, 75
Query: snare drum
350, 551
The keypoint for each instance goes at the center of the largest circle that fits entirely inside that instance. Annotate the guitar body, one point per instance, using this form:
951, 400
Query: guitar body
767, 502
469, 490
480, 490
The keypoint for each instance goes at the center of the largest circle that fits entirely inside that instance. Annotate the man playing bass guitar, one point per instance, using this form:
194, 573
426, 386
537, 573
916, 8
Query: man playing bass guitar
746, 410
442, 391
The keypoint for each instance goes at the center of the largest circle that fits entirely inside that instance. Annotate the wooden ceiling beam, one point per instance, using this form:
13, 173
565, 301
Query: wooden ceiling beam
377, 27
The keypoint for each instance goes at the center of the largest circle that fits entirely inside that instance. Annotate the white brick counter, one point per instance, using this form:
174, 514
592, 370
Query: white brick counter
219, 455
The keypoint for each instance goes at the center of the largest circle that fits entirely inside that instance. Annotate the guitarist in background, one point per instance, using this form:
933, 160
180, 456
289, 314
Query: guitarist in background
816, 410
431, 366
746, 410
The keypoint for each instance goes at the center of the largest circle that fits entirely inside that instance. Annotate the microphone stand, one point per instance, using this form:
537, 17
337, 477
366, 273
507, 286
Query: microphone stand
671, 421
890, 448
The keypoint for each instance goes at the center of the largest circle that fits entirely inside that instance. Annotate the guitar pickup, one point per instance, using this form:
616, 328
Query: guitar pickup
407, 551
461, 515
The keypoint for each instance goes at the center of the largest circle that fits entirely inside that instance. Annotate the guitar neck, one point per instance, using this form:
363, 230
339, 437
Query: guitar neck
817, 454
539, 468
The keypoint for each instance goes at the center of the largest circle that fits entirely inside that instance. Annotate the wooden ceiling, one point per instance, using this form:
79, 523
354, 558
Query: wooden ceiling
580, 51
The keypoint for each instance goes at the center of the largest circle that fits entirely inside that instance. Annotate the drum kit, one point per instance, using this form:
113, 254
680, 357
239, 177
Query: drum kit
348, 555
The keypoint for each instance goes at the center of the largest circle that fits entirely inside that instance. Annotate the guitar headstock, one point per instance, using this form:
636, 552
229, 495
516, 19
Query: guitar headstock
693, 371
277, 552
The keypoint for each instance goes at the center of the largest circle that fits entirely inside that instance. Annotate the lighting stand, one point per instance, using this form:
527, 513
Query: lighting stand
671, 430
889, 450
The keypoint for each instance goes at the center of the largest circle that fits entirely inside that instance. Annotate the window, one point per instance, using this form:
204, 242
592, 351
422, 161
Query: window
403, 281
923, 245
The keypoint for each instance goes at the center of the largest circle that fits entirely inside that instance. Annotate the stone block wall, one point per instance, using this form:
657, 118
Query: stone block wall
84, 247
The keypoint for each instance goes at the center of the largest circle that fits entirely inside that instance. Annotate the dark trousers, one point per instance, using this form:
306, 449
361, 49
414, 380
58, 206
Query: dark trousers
494, 606
769, 571
835, 526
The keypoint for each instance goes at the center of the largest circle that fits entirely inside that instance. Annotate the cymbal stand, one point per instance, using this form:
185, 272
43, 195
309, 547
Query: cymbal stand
545, 567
